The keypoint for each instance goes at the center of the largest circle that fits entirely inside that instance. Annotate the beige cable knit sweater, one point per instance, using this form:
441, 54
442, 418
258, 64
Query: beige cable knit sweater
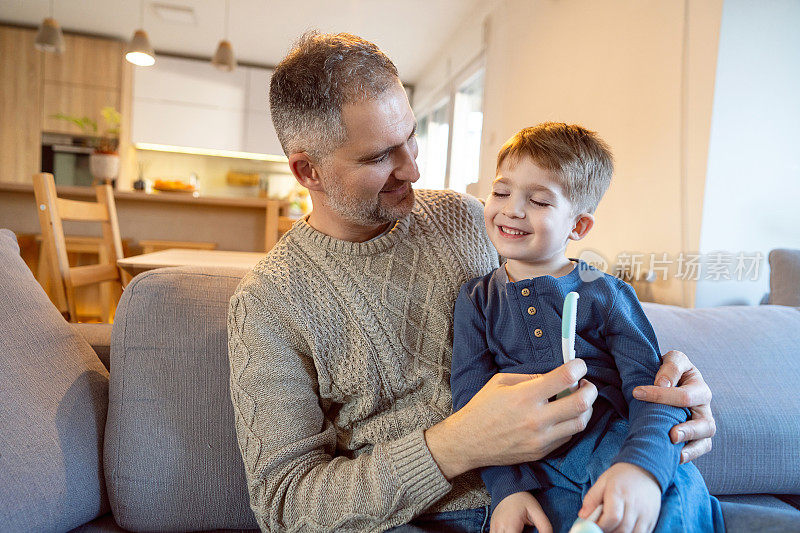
340, 358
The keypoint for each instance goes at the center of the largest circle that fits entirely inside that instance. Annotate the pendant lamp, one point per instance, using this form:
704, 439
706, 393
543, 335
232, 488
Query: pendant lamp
223, 58
140, 51
49, 38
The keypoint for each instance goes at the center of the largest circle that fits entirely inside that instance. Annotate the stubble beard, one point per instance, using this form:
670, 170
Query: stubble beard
363, 212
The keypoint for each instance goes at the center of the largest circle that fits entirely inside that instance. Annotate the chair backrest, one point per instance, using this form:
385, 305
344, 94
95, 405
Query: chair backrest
52, 210
271, 231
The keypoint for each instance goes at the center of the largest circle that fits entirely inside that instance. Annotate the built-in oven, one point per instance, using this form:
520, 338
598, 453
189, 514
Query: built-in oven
66, 157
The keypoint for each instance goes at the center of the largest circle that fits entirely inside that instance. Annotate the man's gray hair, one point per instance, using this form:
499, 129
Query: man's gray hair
312, 83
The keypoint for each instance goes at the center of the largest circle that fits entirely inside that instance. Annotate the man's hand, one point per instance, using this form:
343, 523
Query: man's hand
516, 511
680, 384
510, 421
630, 496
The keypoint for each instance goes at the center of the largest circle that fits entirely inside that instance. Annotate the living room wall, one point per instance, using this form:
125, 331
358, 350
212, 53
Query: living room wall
641, 74
753, 186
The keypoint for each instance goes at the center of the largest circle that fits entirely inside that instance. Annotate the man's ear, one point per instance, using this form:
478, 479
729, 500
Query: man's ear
305, 171
583, 223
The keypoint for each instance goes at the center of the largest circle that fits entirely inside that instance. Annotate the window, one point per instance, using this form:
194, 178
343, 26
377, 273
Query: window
467, 125
432, 138
449, 134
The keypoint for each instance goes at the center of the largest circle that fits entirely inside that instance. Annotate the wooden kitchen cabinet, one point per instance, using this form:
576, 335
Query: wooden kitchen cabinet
82, 81
20, 104
91, 74
75, 100
86, 61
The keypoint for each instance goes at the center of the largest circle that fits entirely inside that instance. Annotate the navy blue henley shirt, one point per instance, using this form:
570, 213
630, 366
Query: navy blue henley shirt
515, 327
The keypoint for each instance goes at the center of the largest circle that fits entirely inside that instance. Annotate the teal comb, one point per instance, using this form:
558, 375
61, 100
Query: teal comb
569, 317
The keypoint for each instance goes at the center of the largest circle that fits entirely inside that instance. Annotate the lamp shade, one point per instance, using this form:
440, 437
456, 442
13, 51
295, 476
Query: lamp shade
223, 59
49, 37
140, 51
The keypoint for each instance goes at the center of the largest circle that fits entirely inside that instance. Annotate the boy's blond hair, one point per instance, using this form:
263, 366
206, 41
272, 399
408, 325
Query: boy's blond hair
578, 158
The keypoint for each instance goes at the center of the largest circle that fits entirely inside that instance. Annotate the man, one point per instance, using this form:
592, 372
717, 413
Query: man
340, 339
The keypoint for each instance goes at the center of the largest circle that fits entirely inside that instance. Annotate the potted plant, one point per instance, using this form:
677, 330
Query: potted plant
104, 162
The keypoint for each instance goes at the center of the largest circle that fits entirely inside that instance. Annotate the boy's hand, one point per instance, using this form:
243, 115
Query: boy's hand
630, 496
516, 511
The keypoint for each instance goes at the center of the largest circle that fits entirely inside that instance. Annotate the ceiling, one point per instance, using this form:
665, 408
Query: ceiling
261, 31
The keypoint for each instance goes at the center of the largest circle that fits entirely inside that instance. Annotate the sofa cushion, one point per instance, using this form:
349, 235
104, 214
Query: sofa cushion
784, 277
171, 455
759, 500
52, 409
749, 358
99, 338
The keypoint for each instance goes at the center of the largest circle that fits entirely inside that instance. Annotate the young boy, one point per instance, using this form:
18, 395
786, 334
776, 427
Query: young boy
549, 181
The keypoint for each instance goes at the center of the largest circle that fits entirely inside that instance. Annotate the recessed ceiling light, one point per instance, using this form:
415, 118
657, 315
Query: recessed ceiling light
175, 14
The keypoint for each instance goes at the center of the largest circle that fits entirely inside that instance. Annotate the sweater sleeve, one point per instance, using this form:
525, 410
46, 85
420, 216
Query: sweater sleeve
473, 366
296, 480
633, 343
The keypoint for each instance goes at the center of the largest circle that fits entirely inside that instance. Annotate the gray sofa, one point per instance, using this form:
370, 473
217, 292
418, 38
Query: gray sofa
151, 445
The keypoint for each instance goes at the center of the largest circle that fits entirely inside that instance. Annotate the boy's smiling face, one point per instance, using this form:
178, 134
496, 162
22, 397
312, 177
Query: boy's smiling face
528, 217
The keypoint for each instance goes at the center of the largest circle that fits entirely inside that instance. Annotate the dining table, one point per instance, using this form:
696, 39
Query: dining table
173, 257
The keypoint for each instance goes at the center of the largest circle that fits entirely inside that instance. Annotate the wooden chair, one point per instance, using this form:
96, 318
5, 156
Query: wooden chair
52, 211
277, 222
77, 246
285, 223
271, 232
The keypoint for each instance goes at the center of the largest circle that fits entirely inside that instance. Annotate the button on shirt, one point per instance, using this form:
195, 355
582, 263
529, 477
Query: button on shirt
503, 326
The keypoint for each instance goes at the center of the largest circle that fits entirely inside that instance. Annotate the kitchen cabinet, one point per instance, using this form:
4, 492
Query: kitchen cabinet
20, 104
186, 125
259, 136
189, 103
81, 81
258, 80
91, 74
76, 101
86, 61
190, 82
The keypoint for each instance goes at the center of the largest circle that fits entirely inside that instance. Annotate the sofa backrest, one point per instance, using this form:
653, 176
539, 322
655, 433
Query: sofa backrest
53, 402
171, 455
784, 277
750, 357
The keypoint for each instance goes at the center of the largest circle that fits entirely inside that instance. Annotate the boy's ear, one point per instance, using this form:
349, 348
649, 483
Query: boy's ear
305, 171
583, 223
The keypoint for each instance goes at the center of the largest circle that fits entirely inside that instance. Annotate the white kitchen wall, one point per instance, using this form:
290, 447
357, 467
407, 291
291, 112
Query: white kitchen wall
752, 198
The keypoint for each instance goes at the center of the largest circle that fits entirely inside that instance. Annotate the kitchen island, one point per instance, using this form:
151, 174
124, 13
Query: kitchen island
247, 224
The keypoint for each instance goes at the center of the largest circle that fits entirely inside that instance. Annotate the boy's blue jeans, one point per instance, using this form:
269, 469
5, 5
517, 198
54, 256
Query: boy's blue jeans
686, 506
464, 521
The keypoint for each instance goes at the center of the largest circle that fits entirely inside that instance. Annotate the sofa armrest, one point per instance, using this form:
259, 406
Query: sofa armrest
99, 338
